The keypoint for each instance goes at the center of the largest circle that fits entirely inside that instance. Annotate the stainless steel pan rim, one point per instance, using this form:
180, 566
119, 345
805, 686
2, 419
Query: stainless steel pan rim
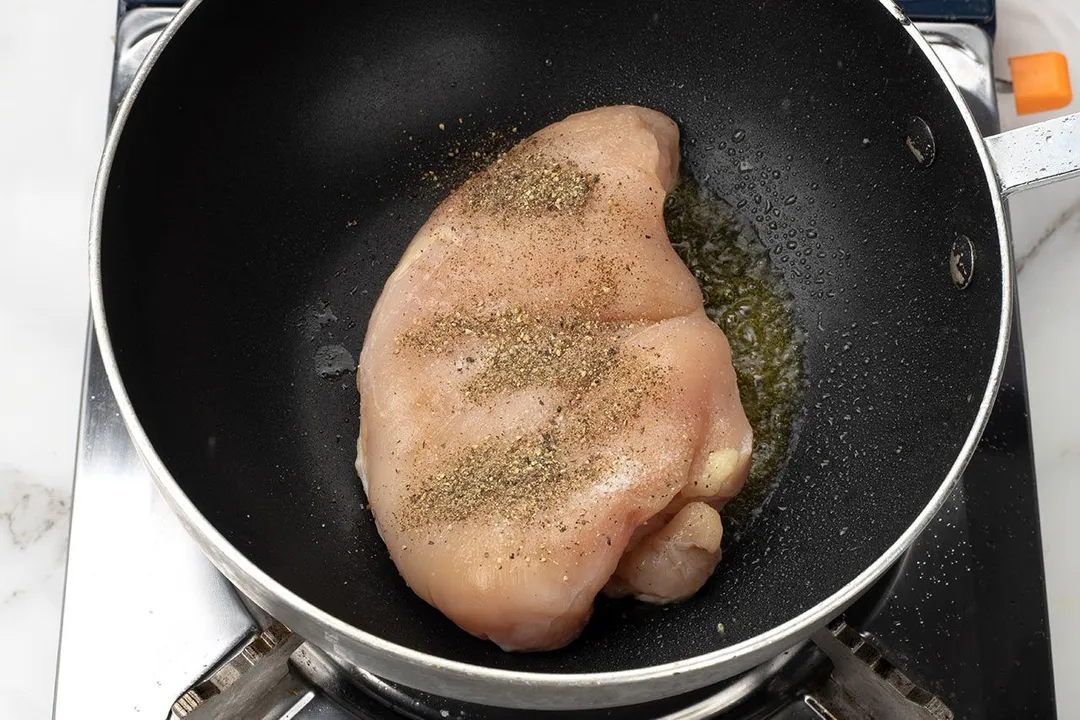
502, 687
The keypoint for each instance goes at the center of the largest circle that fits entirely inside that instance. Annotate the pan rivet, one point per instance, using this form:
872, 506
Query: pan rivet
962, 261
920, 141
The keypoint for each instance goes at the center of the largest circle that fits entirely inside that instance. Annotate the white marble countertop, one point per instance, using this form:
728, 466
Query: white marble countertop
52, 125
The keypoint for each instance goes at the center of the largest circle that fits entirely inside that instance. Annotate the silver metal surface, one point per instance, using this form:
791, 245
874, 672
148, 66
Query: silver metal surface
727, 698
734, 694
244, 679
142, 606
920, 142
145, 614
967, 52
962, 261
1036, 155
400, 664
863, 684
134, 37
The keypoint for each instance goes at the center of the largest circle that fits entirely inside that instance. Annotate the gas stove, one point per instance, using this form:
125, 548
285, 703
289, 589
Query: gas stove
958, 628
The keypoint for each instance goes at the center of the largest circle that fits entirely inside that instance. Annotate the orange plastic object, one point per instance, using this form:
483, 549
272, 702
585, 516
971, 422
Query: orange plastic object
1040, 82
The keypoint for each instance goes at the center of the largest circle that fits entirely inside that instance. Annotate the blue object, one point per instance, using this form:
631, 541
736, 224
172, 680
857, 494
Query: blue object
976, 12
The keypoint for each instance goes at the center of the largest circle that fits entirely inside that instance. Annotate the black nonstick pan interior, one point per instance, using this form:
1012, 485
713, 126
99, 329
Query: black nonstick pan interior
269, 177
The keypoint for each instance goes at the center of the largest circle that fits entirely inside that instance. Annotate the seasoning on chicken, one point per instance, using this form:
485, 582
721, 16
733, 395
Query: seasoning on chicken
546, 411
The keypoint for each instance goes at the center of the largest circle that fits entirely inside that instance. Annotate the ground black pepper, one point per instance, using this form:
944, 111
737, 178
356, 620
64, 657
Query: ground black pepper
575, 354
524, 183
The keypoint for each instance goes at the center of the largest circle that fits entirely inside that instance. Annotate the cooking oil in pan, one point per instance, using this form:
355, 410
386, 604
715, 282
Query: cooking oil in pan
747, 298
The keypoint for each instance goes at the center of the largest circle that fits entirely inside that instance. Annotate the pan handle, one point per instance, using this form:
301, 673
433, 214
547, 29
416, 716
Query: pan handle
1037, 154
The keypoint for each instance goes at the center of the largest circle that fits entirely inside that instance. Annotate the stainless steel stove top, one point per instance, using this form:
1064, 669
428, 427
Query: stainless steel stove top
151, 629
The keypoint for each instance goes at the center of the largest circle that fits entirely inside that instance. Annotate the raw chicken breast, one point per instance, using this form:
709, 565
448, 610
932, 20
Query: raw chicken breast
546, 411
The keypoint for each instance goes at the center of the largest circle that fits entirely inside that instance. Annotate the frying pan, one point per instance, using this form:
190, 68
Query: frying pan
266, 170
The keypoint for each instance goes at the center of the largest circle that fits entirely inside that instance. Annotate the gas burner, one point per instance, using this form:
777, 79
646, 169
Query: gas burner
957, 628
839, 674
